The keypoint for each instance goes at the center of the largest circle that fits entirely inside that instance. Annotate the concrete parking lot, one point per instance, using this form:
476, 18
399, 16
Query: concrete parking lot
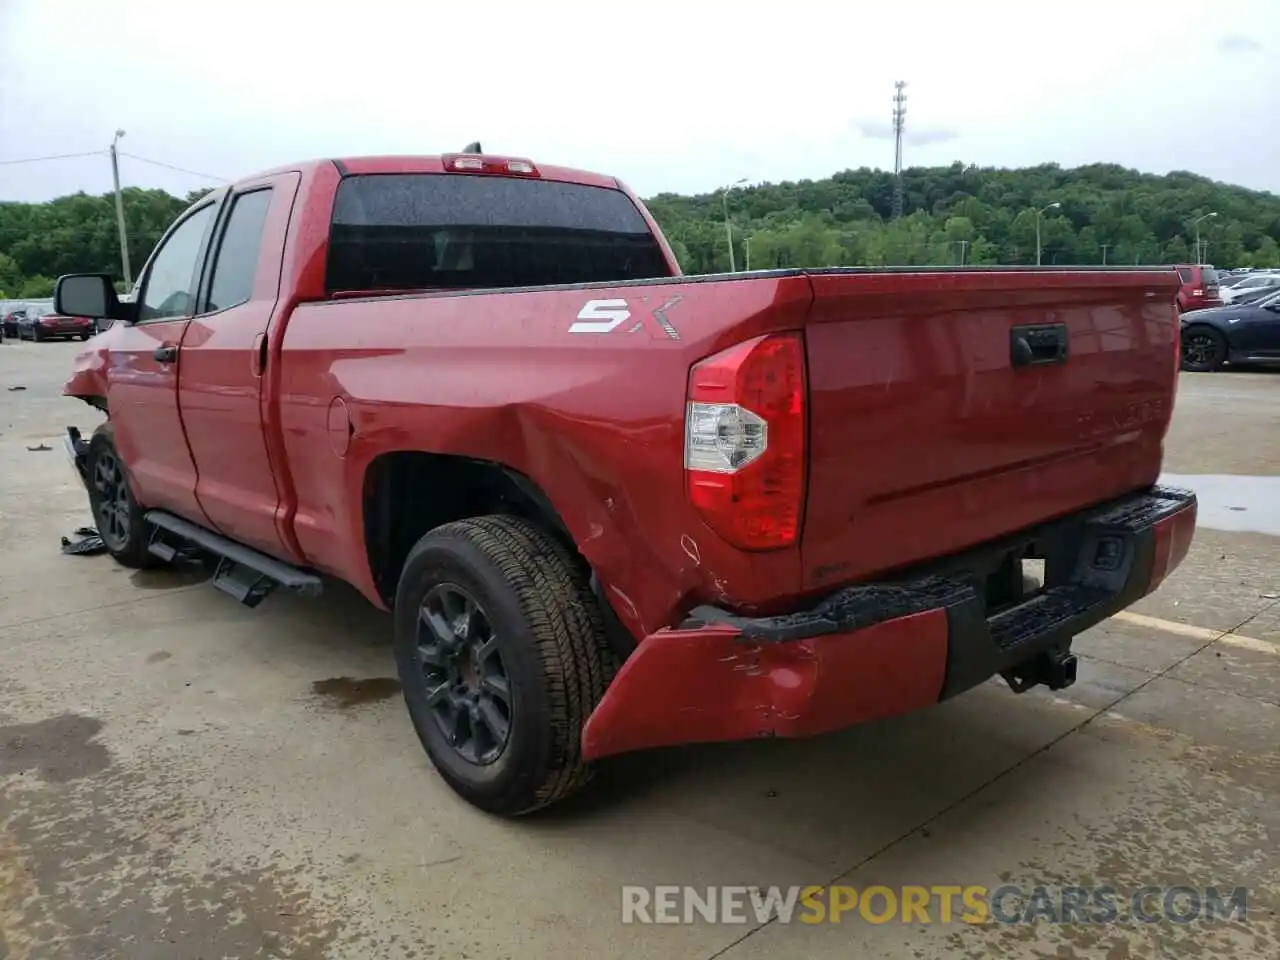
184, 778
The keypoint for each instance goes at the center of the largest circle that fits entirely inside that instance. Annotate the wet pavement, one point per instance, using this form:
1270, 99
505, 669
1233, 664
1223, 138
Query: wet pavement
1238, 504
181, 777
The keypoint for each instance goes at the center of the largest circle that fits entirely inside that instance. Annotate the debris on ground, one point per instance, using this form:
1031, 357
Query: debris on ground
88, 544
15, 389
39, 447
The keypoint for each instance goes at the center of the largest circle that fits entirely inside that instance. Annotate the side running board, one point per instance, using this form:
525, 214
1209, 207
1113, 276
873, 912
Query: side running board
242, 572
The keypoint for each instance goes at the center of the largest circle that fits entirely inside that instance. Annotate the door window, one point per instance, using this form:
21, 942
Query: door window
237, 262
168, 290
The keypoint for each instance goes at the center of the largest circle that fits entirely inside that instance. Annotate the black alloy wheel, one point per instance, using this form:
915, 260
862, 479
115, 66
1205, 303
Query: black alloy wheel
113, 503
469, 690
120, 519
1203, 349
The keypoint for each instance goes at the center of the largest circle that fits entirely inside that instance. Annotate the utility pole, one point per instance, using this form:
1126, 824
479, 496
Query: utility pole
1105, 248
746, 245
1196, 224
964, 245
124, 235
1039, 214
728, 225
899, 122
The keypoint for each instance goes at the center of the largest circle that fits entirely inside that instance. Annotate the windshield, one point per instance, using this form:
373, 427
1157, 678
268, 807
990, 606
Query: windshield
449, 231
1208, 276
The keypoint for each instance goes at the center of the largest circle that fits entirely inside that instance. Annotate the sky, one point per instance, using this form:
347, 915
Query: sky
668, 96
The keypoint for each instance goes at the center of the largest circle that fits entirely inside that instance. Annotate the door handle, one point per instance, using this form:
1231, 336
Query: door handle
258, 356
166, 354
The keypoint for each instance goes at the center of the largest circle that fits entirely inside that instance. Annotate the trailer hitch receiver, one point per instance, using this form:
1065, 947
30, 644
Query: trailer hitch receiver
1055, 669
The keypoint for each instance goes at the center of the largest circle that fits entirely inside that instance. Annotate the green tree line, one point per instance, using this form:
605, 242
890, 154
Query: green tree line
960, 213
75, 234
1104, 213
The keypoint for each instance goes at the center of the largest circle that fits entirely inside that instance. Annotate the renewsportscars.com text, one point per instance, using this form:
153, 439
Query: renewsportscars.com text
939, 903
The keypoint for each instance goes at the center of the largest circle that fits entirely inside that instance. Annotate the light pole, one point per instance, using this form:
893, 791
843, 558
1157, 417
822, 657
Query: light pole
728, 228
1196, 224
124, 236
1039, 214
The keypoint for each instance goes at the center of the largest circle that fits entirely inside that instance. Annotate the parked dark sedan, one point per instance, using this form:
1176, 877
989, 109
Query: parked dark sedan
1235, 333
9, 323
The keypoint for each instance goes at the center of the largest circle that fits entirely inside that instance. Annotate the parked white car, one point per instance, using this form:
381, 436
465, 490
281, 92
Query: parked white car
1253, 283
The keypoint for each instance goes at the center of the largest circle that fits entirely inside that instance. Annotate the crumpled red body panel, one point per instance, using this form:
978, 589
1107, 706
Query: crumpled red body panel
89, 371
702, 685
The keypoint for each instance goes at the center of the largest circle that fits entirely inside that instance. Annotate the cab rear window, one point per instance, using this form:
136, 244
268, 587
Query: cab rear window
448, 231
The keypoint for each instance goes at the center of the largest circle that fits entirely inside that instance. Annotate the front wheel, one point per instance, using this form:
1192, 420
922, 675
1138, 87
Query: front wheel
502, 654
116, 513
1204, 349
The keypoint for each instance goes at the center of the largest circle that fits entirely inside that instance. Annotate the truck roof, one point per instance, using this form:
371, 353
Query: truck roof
407, 163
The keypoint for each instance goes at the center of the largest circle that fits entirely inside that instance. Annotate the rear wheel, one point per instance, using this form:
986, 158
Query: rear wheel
501, 652
1204, 349
116, 513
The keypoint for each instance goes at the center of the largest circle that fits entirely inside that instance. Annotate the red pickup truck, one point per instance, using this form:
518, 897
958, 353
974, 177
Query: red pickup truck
612, 507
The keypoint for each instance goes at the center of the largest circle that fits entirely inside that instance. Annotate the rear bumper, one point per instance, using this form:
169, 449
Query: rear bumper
879, 649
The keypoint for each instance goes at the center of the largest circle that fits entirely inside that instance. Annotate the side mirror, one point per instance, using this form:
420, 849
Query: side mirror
86, 295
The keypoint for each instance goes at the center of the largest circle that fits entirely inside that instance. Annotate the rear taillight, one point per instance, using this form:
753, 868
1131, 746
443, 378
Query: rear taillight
744, 446
1197, 292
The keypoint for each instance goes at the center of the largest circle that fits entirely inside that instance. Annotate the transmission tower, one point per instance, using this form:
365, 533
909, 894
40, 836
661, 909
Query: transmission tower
899, 121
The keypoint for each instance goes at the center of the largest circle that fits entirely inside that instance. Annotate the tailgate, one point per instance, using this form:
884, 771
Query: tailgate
950, 408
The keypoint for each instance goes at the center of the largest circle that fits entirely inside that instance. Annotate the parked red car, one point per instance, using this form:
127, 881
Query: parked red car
54, 326
612, 507
1199, 289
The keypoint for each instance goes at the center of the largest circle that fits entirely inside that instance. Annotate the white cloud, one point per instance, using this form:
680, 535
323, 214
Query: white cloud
1238, 43
911, 136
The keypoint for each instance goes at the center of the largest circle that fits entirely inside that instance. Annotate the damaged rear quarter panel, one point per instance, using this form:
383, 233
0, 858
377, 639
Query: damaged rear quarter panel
594, 419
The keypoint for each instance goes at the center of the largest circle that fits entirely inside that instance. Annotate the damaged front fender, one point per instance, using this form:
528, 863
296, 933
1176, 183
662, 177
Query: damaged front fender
88, 380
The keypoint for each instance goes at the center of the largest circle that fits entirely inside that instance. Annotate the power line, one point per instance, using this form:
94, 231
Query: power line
56, 156
170, 166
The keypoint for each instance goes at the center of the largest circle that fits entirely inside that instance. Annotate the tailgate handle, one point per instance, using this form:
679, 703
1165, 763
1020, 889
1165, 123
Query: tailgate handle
1033, 346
